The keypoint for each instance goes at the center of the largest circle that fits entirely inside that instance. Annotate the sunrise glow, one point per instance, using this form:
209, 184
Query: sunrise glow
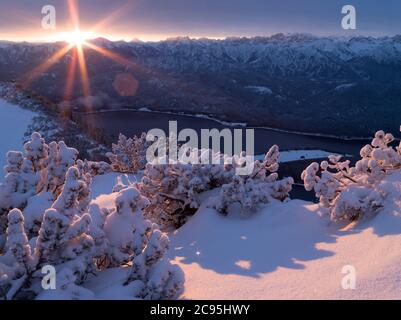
77, 42
76, 38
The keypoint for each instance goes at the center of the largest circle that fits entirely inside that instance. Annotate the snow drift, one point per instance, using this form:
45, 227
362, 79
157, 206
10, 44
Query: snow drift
290, 251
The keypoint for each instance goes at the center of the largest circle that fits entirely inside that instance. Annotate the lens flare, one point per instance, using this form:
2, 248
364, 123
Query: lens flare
77, 37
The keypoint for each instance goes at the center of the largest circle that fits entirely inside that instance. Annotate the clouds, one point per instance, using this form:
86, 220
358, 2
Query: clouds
215, 18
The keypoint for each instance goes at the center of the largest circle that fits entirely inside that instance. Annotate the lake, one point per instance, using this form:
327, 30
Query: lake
131, 122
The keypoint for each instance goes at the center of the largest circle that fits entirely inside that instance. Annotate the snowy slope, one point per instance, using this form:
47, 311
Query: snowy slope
285, 251
13, 124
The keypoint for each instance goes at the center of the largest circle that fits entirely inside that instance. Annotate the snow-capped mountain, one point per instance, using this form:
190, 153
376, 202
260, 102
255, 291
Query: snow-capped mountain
335, 80
278, 55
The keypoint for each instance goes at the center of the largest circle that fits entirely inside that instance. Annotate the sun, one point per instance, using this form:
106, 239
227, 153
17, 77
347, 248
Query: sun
77, 37
77, 43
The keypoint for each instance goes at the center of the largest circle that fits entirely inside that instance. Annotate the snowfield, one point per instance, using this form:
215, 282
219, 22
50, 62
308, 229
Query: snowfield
285, 251
14, 122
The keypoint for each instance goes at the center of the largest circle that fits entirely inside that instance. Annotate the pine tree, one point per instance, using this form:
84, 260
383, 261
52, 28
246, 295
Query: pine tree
36, 150
174, 188
69, 234
96, 168
17, 188
14, 162
51, 179
98, 234
73, 192
347, 192
17, 242
158, 278
260, 187
28, 179
129, 155
64, 234
126, 228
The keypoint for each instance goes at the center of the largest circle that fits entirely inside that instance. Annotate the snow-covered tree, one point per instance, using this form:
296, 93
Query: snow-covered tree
31, 176
64, 241
126, 228
75, 191
96, 231
18, 186
260, 187
14, 161
96, 168
60, 159
52, 223
51, 179
64, 233
349, 192
174, 188
66, 159
36, 150
157, 278
129, 154
84, 190
133, 238
17, 243
34, 210
28, 178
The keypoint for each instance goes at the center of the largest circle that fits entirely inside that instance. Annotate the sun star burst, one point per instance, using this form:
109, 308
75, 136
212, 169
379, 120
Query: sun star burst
77, 41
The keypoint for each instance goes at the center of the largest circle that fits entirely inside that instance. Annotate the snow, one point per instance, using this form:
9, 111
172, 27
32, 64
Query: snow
344, 87
102, 185
35, 208
108, 285
259, 89
14, 122
278, 55
287, 251
284, 251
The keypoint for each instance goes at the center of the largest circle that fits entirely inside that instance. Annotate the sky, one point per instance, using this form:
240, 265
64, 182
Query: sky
158, 19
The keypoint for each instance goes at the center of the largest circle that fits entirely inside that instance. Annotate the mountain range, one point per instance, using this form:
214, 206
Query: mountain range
300, 82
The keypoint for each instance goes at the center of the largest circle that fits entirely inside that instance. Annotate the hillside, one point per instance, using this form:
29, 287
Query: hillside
181, 231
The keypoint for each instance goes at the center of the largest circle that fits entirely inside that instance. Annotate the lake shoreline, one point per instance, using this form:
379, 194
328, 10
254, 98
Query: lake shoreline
226, 123
132, 122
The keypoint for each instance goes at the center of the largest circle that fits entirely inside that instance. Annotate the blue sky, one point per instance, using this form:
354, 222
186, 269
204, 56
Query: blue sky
156, 19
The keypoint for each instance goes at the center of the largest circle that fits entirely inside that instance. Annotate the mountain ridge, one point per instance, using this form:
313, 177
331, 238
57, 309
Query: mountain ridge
293, 81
